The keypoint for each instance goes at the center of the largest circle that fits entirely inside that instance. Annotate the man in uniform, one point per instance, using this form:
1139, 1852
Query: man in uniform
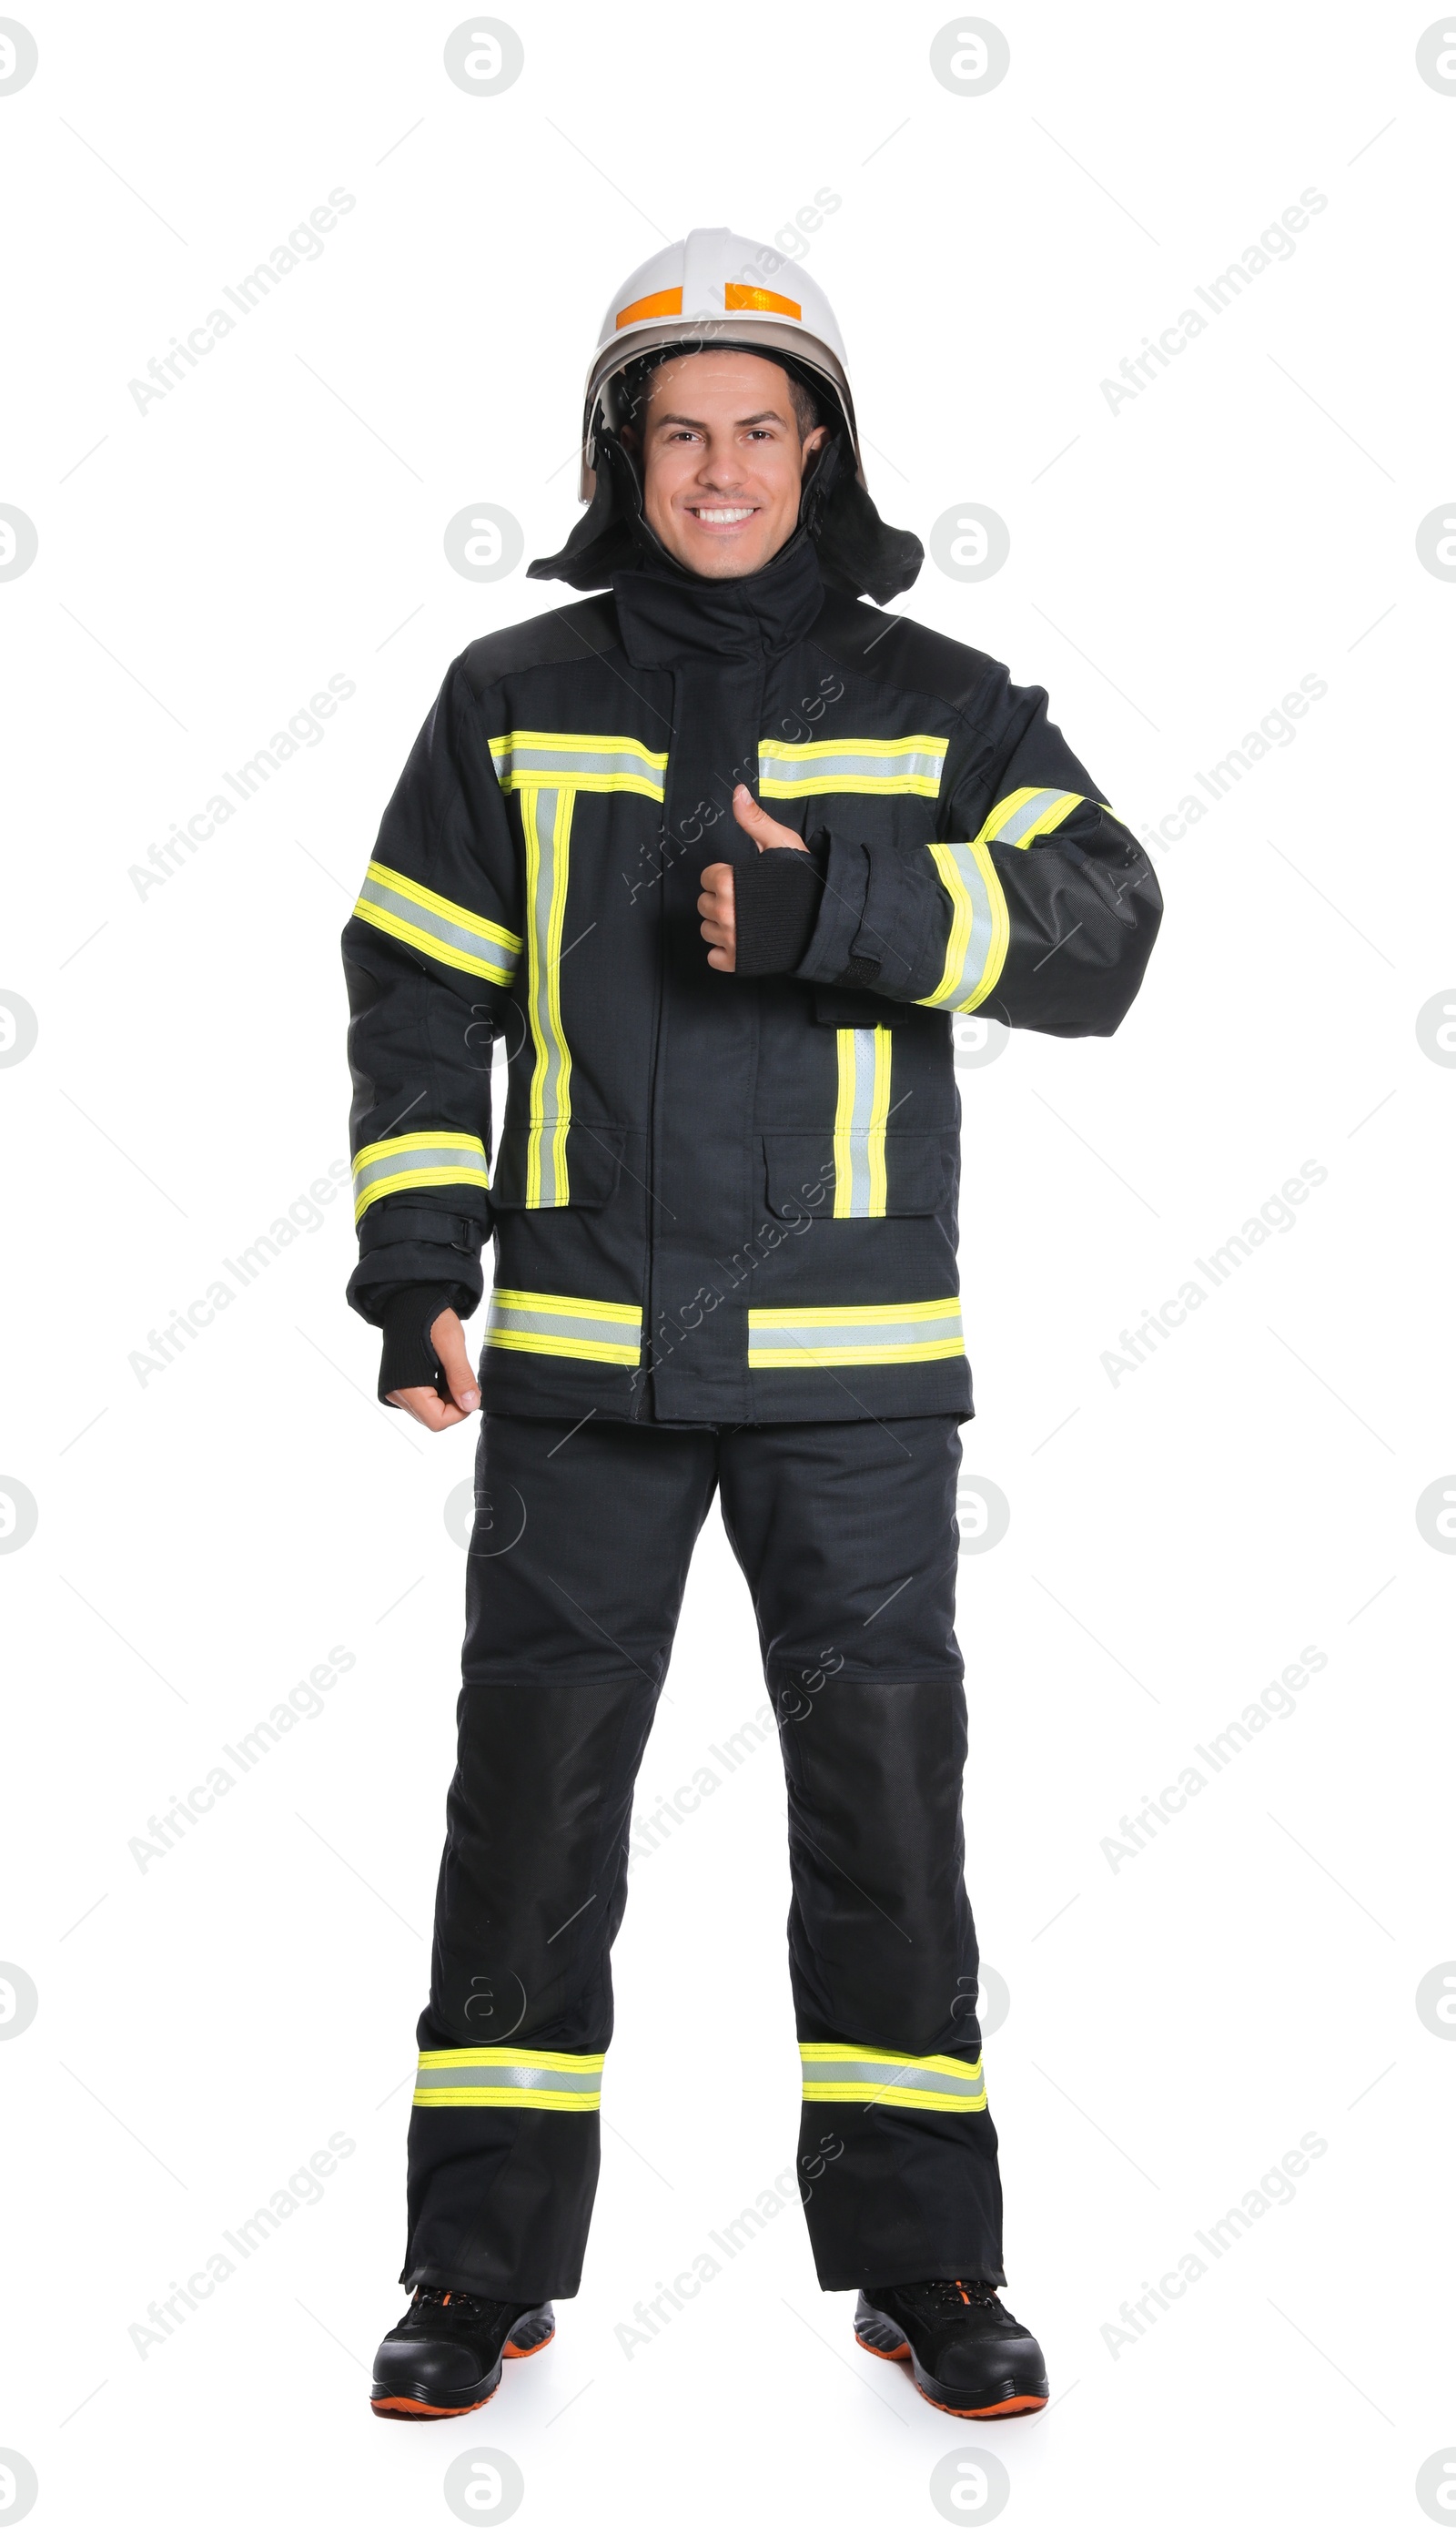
719, 852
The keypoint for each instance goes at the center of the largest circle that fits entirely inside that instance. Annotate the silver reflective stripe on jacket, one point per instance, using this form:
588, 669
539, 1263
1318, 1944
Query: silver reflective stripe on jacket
910, 765
423, 1159
544, 1320
399, 907
546, 820
826, 1337
861, 1115
600, 764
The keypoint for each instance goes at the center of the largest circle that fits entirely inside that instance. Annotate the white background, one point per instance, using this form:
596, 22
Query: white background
1177, 567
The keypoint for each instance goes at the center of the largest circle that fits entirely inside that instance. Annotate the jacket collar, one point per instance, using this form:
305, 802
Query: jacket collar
668, 616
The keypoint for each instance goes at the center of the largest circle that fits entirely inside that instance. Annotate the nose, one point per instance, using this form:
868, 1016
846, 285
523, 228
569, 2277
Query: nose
720, 471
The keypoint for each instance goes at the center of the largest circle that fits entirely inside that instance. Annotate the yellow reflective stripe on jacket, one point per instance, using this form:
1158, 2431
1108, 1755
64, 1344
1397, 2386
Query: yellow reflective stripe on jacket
546, 821
911, 765
417, 1159
849, 1337
1030, 814
544, 1320
848, 2072
980, 925
534, 2081
859, 1122
399, 907
600, 764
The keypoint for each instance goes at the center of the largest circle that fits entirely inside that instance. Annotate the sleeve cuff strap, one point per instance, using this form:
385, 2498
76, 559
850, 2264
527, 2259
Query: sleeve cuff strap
776, 901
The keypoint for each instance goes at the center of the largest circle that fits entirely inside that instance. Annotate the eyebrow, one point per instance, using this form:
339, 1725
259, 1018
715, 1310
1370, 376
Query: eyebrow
766, 415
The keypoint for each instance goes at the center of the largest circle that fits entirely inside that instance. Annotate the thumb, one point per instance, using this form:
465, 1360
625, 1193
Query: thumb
447, 1335
760, 827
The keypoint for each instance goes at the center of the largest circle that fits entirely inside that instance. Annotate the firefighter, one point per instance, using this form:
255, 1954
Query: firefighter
718, 853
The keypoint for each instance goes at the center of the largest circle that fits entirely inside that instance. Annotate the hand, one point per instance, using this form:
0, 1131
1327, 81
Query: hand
715, 901
447, 1335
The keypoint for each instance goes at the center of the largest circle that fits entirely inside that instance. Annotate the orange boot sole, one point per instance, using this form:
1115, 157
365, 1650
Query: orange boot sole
1007, 2408
409, 2407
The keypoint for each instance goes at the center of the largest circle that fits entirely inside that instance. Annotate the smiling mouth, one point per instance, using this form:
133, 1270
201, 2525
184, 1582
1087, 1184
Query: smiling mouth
722, 516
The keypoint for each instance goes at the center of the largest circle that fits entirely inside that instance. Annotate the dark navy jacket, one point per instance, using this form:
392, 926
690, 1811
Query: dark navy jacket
713, 1198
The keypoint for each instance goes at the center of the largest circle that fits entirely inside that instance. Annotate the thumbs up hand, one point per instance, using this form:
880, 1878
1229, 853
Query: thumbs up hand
715, 901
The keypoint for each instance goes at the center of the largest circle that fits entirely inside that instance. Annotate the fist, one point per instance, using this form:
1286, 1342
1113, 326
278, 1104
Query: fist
715, 901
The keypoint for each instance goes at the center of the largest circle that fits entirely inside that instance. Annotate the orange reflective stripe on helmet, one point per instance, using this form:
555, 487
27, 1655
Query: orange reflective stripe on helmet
747, 295
662, 304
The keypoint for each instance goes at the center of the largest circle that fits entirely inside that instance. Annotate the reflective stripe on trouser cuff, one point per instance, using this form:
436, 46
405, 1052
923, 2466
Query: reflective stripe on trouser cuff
859, 1122
533, 2081
401, 908
845, 2072
417, 1159
980, 925
839, 1338
543, 1321
545, 818
600, 764
908, 765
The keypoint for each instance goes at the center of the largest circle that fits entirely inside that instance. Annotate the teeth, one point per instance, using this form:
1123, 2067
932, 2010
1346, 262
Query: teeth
730, 513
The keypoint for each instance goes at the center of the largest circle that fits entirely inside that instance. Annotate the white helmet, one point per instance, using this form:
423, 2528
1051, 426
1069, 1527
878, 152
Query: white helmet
716, 287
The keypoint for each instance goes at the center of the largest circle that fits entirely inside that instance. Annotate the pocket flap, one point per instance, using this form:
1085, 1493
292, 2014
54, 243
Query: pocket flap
800, 1179
594, 1161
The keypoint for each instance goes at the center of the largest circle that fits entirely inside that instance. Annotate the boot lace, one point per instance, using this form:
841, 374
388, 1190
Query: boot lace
951, 2297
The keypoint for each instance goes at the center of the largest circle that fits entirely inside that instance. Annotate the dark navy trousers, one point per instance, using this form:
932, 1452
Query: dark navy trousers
847, 1535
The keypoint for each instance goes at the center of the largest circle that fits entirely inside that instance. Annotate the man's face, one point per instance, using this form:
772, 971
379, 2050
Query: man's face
722, 460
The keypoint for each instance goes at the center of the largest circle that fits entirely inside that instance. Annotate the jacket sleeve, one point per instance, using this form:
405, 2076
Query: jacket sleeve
1035, 904
428, 956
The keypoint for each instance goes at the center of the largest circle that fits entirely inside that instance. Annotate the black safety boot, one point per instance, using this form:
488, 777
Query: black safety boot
967, 2354
446, 2355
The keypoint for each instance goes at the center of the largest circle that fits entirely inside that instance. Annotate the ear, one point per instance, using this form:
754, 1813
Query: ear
811, 452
